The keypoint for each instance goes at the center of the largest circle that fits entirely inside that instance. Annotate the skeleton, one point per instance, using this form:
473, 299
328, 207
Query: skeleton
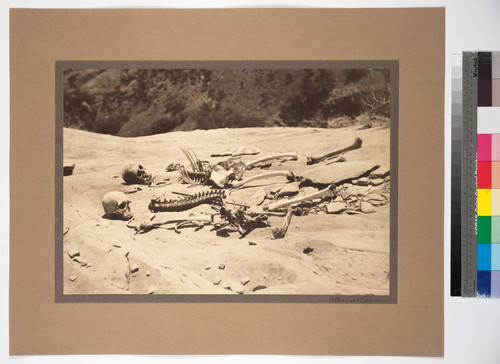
116, 206
134, 173
357, 144
326, 192
208, 197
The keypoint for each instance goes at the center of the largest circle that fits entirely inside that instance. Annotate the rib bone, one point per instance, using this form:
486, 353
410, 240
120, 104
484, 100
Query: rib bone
357, 144
328, 191
292, 155
286, 174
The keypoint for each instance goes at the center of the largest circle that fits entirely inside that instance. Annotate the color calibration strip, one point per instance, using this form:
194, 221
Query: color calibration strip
456, 175
488, 174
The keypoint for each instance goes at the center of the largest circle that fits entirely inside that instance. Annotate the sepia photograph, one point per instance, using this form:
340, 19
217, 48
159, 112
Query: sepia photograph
226, 181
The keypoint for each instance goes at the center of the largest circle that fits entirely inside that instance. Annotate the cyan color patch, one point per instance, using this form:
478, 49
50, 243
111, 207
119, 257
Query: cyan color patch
484, 256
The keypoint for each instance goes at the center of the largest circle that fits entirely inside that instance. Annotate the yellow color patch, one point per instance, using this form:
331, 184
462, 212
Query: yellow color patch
484, 202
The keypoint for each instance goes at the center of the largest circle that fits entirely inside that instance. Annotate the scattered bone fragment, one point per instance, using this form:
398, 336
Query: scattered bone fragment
222, 266
387, 179
89, 265
220, 176
376, 181
245, 150
73, 253
217, 280
287, 174
252, 243
149, 224
134, 268
72, 278
152, 289
367, 208
292, 155
280, 232
316, 159
245, 280
148, 273
208, 267
257, 198
335, 207
326, 192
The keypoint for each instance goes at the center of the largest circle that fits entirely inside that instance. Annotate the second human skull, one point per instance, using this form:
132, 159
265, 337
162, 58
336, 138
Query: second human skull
135, 173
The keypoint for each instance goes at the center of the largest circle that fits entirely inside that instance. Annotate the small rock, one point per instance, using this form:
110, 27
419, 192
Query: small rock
354, 182
308, 190
257, 198
148, 273
367, 208
208, 267
252, 243
117, 246
338, 199
377, 181
89, 265
72, 278
152, 289
288, 190
335, 207
387, 179
126, 254
375, 197
217, 280
279, 278
346, 185
237, 287
134, 268
259, 287
264, 275
222, 266
83, 263
245, 280
274, 190
308, 250
363, 181
73, 253
226, 286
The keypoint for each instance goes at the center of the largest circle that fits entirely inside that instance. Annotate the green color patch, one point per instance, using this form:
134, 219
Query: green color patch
484, 229
495, 229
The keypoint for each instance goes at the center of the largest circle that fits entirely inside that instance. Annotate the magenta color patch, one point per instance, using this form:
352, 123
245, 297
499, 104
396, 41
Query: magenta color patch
495, 147
484, 147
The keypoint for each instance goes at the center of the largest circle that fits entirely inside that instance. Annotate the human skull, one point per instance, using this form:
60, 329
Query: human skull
116, 206
134, 173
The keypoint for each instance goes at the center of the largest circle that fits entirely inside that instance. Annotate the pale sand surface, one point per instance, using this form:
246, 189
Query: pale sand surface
350, 252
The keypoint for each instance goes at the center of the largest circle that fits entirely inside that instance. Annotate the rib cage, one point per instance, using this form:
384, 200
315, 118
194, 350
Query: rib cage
208, 197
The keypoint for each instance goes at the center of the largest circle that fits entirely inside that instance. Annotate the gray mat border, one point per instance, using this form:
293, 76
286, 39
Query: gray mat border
60, 297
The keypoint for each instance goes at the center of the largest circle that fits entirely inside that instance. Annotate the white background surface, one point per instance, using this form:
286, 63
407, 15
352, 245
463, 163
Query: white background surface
472, 326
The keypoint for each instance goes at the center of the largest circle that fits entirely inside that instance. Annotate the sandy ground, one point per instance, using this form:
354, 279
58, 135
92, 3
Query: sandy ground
328, 254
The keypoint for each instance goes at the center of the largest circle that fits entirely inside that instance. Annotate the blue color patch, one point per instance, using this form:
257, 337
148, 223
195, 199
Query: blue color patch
483, 283
495, 257
484, 256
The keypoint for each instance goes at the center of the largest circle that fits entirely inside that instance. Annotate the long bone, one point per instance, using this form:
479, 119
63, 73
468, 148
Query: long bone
289, 175
328, 191
292, 155
149, 224
280, 232
357, 144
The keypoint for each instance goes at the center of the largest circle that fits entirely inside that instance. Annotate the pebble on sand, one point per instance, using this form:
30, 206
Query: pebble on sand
377, 181
152, 289
73, 253
222, 266
245, 280
148, 273
134, 268
335, 207
72, 278
367, 208
217, 280
363, 181
237, 287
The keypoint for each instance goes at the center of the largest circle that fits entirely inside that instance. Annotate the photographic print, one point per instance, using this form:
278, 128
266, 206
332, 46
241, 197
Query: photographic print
226, 181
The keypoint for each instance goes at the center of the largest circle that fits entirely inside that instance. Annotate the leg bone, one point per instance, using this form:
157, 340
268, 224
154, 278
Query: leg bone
286, 174
328, 191
357, 144
292, 155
